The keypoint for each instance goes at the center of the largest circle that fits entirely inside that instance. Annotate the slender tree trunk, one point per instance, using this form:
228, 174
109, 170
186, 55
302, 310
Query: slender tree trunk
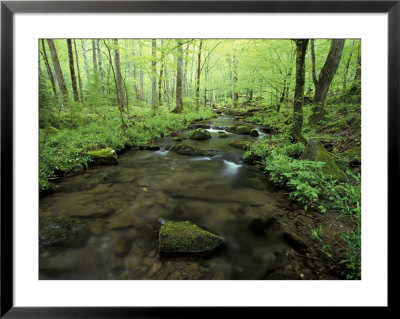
184, 82
198, 76
95, 71
120, 92
100, 66
141, 74
325, 78
191, 72
166, 85
49, 71
235, 80
72, 70
153, 75
85, 61
297, 129
59, 74
314, 74
356, 86
79, 72
179, 75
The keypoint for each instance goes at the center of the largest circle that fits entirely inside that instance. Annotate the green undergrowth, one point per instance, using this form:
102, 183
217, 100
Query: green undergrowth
64, 146
312, 188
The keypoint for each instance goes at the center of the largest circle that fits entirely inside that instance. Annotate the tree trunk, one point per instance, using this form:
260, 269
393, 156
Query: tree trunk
153, 75
141, 74
314, 74
85, 61
179, 75
118, 76
235, 80
198, 76
72, 70
297, 129
49, 71
356, 86
79, 72
100, 66
95, 72
325, 78
59, 74
184, 83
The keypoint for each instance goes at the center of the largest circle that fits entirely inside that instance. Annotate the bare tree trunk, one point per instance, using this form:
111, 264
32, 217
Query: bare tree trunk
297, 129
314, 74
235, 80
179, 75
59, 74
49, 71
356, 86
325, 78
141, 74
79, 72
85, 61
72, 70
184, 83
100, 66
153, 75
198, 76
95, 71
118, 75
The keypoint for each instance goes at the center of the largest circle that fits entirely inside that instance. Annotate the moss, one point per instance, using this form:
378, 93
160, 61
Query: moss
353, 156
186, 149
315, 152
186, 237
104, 156
48, 131
222, 134
200, 134
253, 132
240, 129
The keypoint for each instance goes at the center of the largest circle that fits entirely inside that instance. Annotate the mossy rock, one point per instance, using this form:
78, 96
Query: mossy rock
254, 132
186, 149
239, 129
353, 156
200, 134
222, 134
314, 151
243, 145
185, 237
106, 156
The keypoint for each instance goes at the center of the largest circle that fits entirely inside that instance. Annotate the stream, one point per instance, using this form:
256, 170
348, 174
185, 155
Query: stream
108, 217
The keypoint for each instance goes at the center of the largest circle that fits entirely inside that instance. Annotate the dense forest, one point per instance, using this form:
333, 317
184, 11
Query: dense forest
298, 102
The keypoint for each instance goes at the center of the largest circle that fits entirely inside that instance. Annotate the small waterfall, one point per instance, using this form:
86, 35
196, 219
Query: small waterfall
201, 158
231, 168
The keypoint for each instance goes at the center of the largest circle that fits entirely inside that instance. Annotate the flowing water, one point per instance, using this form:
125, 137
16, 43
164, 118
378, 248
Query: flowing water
116, 212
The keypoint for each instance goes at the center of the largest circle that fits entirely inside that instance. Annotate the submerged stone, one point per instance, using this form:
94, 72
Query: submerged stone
243, 145
314, 151
200, 134
60, 231
104, 156
222, 134
186, 237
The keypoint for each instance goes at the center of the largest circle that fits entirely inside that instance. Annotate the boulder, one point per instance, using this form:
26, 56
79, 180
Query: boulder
200, 134
122, 246
185, 237
106, 156
186, 149
314, 151
239, 129
243, 145
253, 132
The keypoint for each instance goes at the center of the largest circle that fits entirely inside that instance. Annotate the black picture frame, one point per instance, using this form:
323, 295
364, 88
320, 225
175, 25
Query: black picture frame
9, 8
